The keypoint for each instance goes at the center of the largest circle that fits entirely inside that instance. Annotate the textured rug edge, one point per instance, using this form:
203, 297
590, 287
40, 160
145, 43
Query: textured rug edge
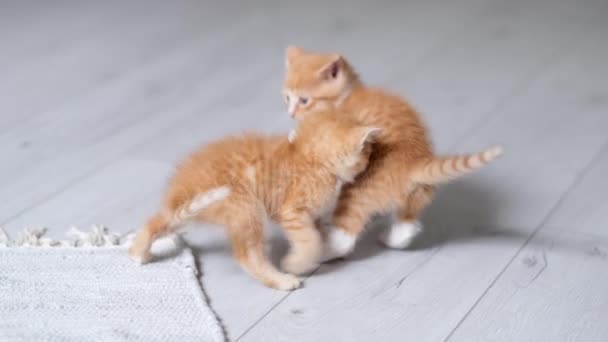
100, 237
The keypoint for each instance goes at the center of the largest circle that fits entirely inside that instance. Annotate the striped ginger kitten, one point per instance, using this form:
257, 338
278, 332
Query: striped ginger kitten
402, 172
238, 182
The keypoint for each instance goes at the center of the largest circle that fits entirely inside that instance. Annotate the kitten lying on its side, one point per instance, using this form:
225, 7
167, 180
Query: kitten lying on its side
238, 182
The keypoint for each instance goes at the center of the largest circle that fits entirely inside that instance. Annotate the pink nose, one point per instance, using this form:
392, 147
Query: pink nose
292, 108
292, 111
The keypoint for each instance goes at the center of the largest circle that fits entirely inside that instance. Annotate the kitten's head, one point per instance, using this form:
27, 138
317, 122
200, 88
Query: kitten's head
337, 142
315, 81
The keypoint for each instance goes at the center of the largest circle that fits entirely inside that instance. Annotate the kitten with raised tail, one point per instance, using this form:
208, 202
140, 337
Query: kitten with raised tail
403, 170
240, 182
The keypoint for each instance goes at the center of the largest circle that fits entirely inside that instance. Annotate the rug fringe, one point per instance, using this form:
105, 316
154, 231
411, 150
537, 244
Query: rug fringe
98, 236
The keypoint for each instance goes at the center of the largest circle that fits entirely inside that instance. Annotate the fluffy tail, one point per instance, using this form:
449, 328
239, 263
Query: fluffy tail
443, 169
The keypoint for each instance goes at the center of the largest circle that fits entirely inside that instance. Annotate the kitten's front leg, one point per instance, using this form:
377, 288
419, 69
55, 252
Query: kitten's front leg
305, 240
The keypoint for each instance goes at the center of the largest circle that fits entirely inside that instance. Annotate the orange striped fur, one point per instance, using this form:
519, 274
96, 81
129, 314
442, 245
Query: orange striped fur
242, 181
436, 170
403, 169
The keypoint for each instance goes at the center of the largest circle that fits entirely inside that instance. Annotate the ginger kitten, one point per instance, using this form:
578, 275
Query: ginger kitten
239, 182
403, 170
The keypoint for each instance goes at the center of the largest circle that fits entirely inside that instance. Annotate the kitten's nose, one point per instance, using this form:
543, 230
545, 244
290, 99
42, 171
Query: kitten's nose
293, 106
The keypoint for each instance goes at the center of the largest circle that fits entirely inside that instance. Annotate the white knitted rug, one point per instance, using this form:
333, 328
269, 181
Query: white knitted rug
87, 289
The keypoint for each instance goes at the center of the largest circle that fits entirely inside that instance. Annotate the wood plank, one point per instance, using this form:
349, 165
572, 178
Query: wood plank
555, 290
422, 294
119, 196
482, 67
32, 30
585, 209
59, 75
555, 284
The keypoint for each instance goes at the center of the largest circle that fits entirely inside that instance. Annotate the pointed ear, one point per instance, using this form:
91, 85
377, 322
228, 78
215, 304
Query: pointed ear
292, 52
333, 69
367, 135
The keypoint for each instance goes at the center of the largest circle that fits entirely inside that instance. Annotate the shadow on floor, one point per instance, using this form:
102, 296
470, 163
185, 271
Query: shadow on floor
464, 210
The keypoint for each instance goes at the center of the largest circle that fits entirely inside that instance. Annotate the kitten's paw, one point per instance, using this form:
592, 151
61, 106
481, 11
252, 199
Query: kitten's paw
286, 282
401, 234
139, 257
338, 245
298, 265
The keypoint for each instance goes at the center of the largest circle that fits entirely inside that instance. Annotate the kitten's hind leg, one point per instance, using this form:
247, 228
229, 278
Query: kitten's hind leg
156, 227
248, 248
305, 240
406, 226
349, 220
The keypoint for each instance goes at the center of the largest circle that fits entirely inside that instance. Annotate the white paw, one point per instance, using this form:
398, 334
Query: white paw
338, 244
287, 282
401, 234
299, 265
140, 258
137, 259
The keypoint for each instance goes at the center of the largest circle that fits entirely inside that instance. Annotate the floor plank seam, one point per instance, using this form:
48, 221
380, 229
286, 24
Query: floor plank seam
265, 314
420, 265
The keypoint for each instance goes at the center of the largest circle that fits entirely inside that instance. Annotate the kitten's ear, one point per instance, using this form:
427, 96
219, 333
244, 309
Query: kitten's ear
367, 135
292, 52
331, 70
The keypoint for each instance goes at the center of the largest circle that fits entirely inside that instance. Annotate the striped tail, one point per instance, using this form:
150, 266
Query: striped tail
443, 169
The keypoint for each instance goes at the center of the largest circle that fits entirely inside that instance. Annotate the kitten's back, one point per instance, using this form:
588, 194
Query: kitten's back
220, 163
401, 125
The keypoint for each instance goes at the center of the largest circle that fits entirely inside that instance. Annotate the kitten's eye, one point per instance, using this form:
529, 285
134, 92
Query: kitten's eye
303, 100
334, 71
287, 99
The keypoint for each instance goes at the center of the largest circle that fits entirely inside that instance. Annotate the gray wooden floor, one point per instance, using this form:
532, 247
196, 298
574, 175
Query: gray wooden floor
99, 100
